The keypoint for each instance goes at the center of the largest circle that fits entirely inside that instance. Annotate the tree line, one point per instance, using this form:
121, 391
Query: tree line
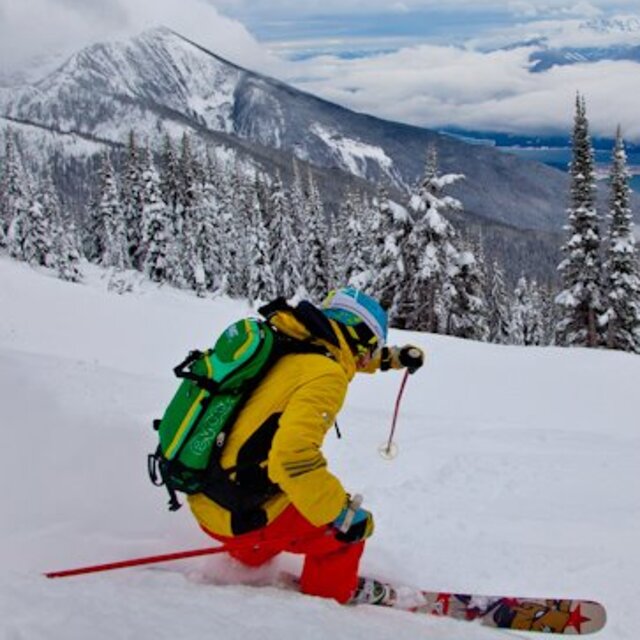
184, 217
599, 304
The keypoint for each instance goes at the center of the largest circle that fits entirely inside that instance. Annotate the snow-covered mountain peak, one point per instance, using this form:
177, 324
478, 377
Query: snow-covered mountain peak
160, 82
158, 67
629, 24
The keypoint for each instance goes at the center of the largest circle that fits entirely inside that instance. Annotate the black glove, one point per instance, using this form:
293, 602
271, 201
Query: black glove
411, 357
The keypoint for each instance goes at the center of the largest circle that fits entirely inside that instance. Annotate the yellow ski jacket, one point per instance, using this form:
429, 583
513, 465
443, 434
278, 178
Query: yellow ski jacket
280, 430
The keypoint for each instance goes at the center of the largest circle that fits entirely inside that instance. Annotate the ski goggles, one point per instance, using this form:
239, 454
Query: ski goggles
356, 332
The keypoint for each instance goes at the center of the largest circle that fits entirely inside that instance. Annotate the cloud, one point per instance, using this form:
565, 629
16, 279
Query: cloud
582, 8
440, 87
36, 28
426, 85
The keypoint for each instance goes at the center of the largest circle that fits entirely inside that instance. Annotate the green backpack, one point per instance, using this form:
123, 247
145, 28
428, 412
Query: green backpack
216, 383
215, 386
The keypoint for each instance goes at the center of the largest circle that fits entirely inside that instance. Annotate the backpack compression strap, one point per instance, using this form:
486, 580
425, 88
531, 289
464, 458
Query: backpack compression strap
182, 371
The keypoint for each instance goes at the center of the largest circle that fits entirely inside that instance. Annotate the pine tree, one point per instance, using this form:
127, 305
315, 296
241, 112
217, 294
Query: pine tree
228, 234
51, 205
65, 254
581, 299
390, 229
467, 309
499, 307
210, 235
115, 253
189, 196
14, 195
238, 206
169, 177
317, 268
37, 240
432, 257
68, 254
527, 326
285, 255
621, 319
261, 286
132, 204
156, 224
354, 271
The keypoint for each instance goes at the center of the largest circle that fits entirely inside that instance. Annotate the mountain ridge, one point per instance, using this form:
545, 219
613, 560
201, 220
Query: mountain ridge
108, 88
160, 82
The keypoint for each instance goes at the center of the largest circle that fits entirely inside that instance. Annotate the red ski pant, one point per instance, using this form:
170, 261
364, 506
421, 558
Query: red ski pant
330, 566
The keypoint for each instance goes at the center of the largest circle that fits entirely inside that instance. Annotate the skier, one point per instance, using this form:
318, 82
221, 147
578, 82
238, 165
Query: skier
274, 448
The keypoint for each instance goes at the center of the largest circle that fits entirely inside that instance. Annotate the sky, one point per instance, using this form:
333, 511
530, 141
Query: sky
463, 64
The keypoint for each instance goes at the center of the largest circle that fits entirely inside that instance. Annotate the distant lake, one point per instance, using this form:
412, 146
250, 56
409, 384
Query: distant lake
559, 157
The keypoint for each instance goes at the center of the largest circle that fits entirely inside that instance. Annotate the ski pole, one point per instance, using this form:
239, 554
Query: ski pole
385, 450
134, 562
179, 555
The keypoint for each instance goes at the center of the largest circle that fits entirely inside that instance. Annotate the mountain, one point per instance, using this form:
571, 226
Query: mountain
545, 59
516, 473
599, 39
162, 81
627, 25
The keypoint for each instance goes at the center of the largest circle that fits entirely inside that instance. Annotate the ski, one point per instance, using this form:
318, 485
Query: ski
543, 615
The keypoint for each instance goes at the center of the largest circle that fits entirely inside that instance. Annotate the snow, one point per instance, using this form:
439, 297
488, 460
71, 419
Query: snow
517, 473
38, 138
353, 154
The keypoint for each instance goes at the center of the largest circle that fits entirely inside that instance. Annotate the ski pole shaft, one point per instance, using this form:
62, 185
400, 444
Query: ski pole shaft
396, 411
134, 562
180, 555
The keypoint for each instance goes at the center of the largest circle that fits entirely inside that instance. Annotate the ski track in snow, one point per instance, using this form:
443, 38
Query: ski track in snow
517, 474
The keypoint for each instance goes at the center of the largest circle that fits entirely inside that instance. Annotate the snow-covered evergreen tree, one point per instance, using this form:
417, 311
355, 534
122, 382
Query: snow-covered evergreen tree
467, 308
238, 207
352, 241
432, 258
131, 198
169, 177
51, 203
156, 224
316, 267
188, 210
621, 320
228, 233
527, 324
37, 238
390, 228
261, 286
68, 253
581, 300
115, 254
210, 235
285, 254
14, 194
499, 307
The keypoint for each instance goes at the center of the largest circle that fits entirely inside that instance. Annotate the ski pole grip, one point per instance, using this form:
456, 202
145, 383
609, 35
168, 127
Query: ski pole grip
354, 504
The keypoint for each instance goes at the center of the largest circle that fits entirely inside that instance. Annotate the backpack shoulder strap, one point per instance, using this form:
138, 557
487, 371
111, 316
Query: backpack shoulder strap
308, 315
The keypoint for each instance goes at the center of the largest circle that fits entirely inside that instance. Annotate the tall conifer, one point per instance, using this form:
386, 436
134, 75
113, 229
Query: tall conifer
621, 319
581, 299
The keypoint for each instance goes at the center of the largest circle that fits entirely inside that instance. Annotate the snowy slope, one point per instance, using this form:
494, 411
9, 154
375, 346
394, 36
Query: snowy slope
517, 473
